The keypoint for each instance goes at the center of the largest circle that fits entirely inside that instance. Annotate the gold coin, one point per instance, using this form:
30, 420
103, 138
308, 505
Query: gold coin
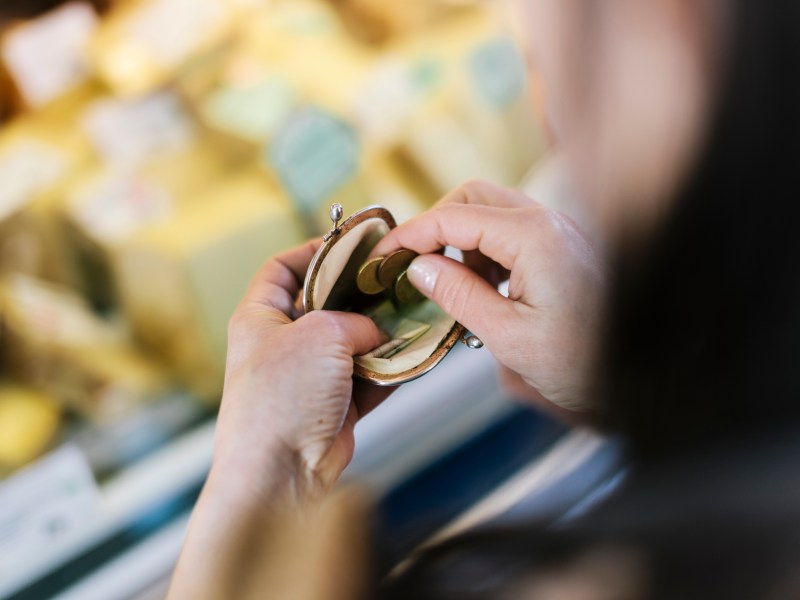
393, 265
405, 291
367, 279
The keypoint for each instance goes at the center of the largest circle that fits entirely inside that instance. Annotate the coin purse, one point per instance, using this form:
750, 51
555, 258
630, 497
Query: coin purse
331, 284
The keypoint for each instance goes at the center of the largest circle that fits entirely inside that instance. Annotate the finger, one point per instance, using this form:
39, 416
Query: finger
353, 333
486, 267
495, 232
279, 280
472, 193
463, 295
485, 193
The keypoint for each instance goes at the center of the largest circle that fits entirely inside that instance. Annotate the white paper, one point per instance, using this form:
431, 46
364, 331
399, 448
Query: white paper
172, 30
46, 56
117, 205
43, 506
129, 131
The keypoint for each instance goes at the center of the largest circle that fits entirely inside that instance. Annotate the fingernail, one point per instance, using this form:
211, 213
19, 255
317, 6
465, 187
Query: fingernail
423, 273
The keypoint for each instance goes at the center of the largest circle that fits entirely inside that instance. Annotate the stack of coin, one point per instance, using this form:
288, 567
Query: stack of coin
389, 273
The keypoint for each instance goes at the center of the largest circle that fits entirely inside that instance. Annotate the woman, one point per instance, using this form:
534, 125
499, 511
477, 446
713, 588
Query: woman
678, 119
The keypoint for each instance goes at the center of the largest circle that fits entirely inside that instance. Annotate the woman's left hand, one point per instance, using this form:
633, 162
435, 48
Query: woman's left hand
290, 403
284, 432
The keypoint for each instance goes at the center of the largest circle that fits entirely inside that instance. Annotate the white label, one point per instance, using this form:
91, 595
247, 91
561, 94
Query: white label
118, 205
46, 56
129, 131
26, 169
43, 506
172, 30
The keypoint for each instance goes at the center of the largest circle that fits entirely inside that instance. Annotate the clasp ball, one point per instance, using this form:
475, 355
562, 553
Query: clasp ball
336, 213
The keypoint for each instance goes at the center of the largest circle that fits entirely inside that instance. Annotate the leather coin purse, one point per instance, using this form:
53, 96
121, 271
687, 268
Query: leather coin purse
420, 333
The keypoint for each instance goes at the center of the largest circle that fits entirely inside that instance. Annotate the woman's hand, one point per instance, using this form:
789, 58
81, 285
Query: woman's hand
284, 432
546, 331
290, 403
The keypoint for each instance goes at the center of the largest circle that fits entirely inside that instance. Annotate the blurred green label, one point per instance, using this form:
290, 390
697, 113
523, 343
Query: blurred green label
315, 154
498, 72
252, 112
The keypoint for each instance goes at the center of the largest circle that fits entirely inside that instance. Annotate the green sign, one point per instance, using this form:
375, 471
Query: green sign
498, 72
315, 154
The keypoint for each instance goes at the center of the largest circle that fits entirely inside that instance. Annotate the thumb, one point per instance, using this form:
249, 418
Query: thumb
462, 294
355, 333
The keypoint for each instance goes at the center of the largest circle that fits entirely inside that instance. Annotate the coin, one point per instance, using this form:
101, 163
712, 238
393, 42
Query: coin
405, 291
367, 279
393, 265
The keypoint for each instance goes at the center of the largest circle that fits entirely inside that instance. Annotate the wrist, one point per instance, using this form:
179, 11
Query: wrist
268, 475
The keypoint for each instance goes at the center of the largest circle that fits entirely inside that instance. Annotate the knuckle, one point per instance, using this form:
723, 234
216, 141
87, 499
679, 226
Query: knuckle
475, 187
324, 324
455, 298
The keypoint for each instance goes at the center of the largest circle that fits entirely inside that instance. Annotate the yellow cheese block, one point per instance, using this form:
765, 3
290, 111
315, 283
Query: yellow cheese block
181, 280
29, 420
479, 120
39, 152
303, 43
113, 199
493, 101
439, 145
390, 183
239, 102
143, 44
378, 20
53, 341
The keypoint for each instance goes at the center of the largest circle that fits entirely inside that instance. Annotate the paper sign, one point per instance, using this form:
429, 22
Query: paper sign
43, 506
130, 131
46, 56
118, 205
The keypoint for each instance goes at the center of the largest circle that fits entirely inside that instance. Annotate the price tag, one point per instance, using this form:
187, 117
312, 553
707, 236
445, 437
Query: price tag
43, 507
118, 205
498, 72
314, 154
46, 56
130, 131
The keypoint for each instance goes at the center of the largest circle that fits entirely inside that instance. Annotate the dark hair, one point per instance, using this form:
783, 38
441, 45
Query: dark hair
704, 324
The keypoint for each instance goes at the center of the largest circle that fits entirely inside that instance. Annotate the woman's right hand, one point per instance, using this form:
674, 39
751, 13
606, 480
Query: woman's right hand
547, 330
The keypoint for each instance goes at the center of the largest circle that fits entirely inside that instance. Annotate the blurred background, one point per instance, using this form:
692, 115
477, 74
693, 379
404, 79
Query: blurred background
153, 153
